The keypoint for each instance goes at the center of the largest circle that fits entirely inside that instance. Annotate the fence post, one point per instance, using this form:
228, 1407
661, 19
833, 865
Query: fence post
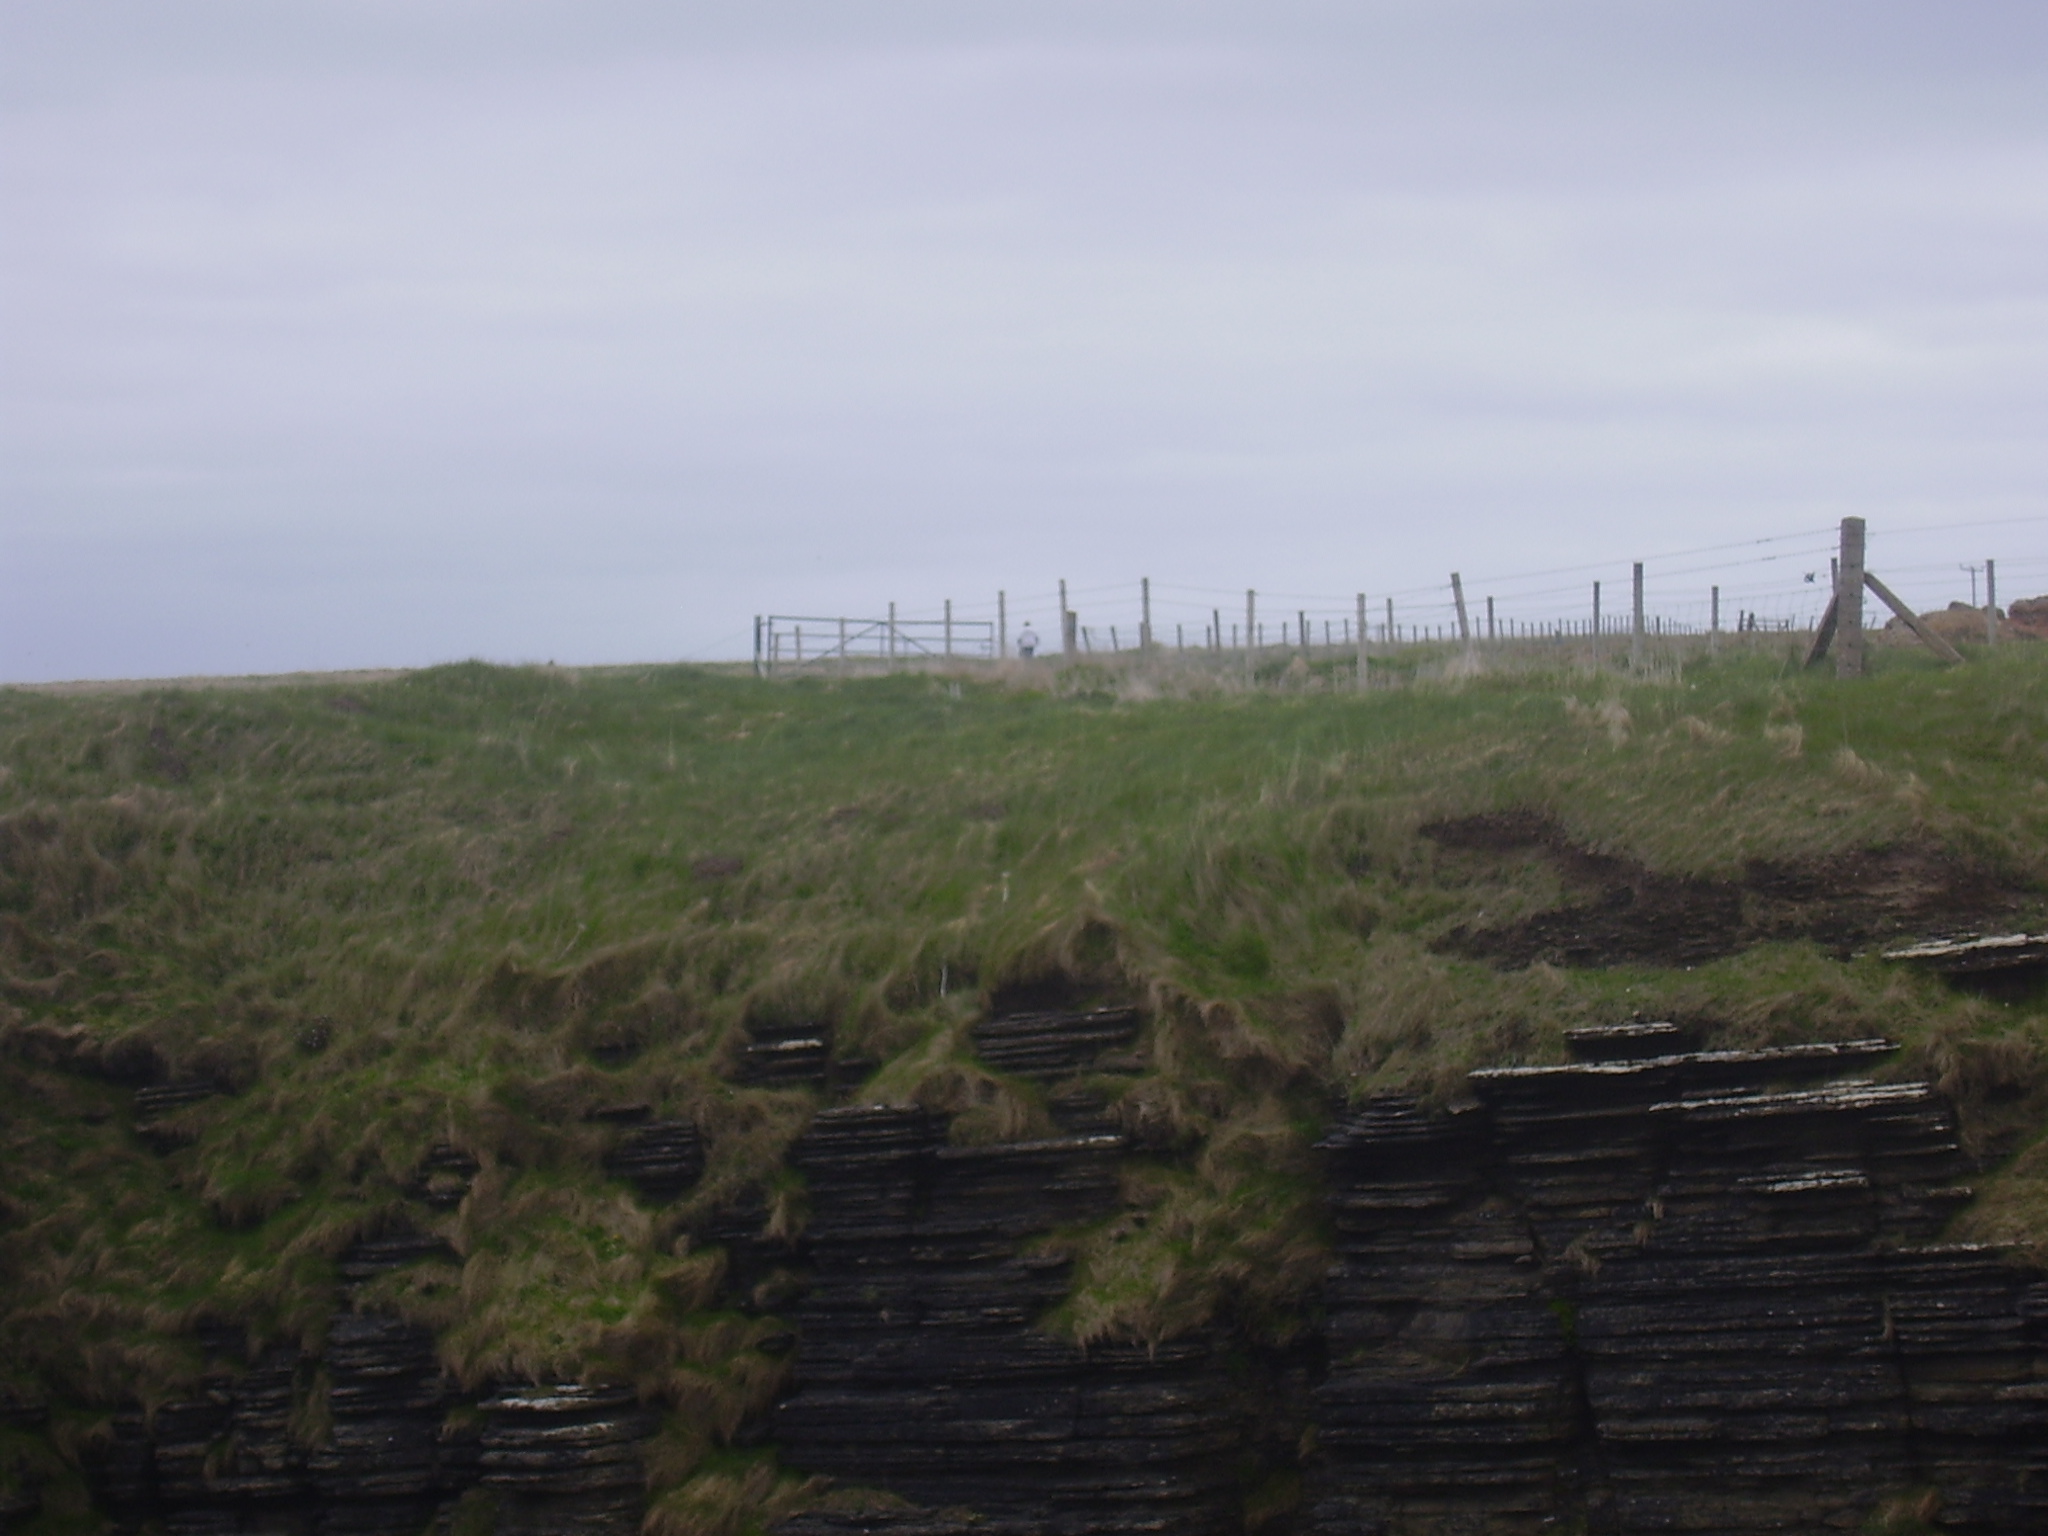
892, 636
1002, 626
1991, 602
1361, 643
1714, 623
1066, 621
1596, 623
1635, 634
757, 645
949, 627
1489, 621
1301, 630
1458, 596
1251, 617
1849, 602
1216, 633
1144, 613
843, 657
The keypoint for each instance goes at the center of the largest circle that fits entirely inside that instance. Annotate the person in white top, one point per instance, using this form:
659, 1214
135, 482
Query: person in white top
1027, 641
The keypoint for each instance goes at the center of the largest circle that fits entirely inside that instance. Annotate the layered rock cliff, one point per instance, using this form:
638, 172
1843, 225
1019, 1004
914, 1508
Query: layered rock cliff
1693, 1292
1657, 1289
399, 1447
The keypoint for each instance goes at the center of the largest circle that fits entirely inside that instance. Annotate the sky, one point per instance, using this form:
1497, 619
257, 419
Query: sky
365, 333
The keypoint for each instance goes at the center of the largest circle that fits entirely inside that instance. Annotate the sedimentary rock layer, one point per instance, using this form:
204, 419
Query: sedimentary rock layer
399, 1447
1679, 1293
921, 1369
1045, 1045
1654, 1290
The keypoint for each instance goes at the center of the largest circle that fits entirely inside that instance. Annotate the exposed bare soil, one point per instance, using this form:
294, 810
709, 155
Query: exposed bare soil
1628, 914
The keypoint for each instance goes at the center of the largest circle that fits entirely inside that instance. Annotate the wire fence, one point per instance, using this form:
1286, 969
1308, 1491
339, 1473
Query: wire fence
1780, 585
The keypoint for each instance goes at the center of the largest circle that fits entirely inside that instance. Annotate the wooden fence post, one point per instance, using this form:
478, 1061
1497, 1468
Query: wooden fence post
1714, 622
1490, 635
1635, 638
1458, 596
949, 627
1849, 601
1301, 630
1824, 632
1362, 674
1596, 623
1251, 616
1216, 632
757, 645
1144, 613
892, 635
1002, 626
1066, 621
1991, 602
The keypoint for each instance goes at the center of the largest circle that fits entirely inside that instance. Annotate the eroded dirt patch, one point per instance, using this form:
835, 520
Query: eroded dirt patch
1624, 913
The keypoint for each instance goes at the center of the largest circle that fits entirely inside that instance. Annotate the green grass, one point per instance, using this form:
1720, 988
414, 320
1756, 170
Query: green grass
432, 910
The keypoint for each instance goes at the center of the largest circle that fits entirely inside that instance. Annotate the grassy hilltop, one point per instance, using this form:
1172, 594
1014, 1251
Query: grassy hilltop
468, 906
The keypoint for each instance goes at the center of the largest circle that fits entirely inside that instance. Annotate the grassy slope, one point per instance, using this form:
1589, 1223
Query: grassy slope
412, 913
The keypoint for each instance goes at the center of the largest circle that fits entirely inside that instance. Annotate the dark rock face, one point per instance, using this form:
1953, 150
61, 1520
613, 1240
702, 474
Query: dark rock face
1625, 913
901, 1522
1677, 1293
565, 1461
786, 1056
400, 1447
782, 1055
167, 1098
443, 1177
921, 1369
1049, 1044
156, 1111
1655, 1290
1056, 1047
660, 1159
386, 1464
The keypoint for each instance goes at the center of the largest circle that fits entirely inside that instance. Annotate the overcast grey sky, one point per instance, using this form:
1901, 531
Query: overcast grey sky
344, 333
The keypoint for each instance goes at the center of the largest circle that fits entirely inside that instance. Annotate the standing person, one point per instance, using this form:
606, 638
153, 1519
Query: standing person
1027, 641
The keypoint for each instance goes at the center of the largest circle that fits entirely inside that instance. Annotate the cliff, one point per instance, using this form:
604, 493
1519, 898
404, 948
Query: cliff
496, 1101
1656, 1289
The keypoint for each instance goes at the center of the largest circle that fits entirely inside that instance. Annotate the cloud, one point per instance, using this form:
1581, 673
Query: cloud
346, 334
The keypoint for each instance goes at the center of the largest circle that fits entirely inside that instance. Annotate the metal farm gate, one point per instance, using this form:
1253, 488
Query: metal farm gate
786, 642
